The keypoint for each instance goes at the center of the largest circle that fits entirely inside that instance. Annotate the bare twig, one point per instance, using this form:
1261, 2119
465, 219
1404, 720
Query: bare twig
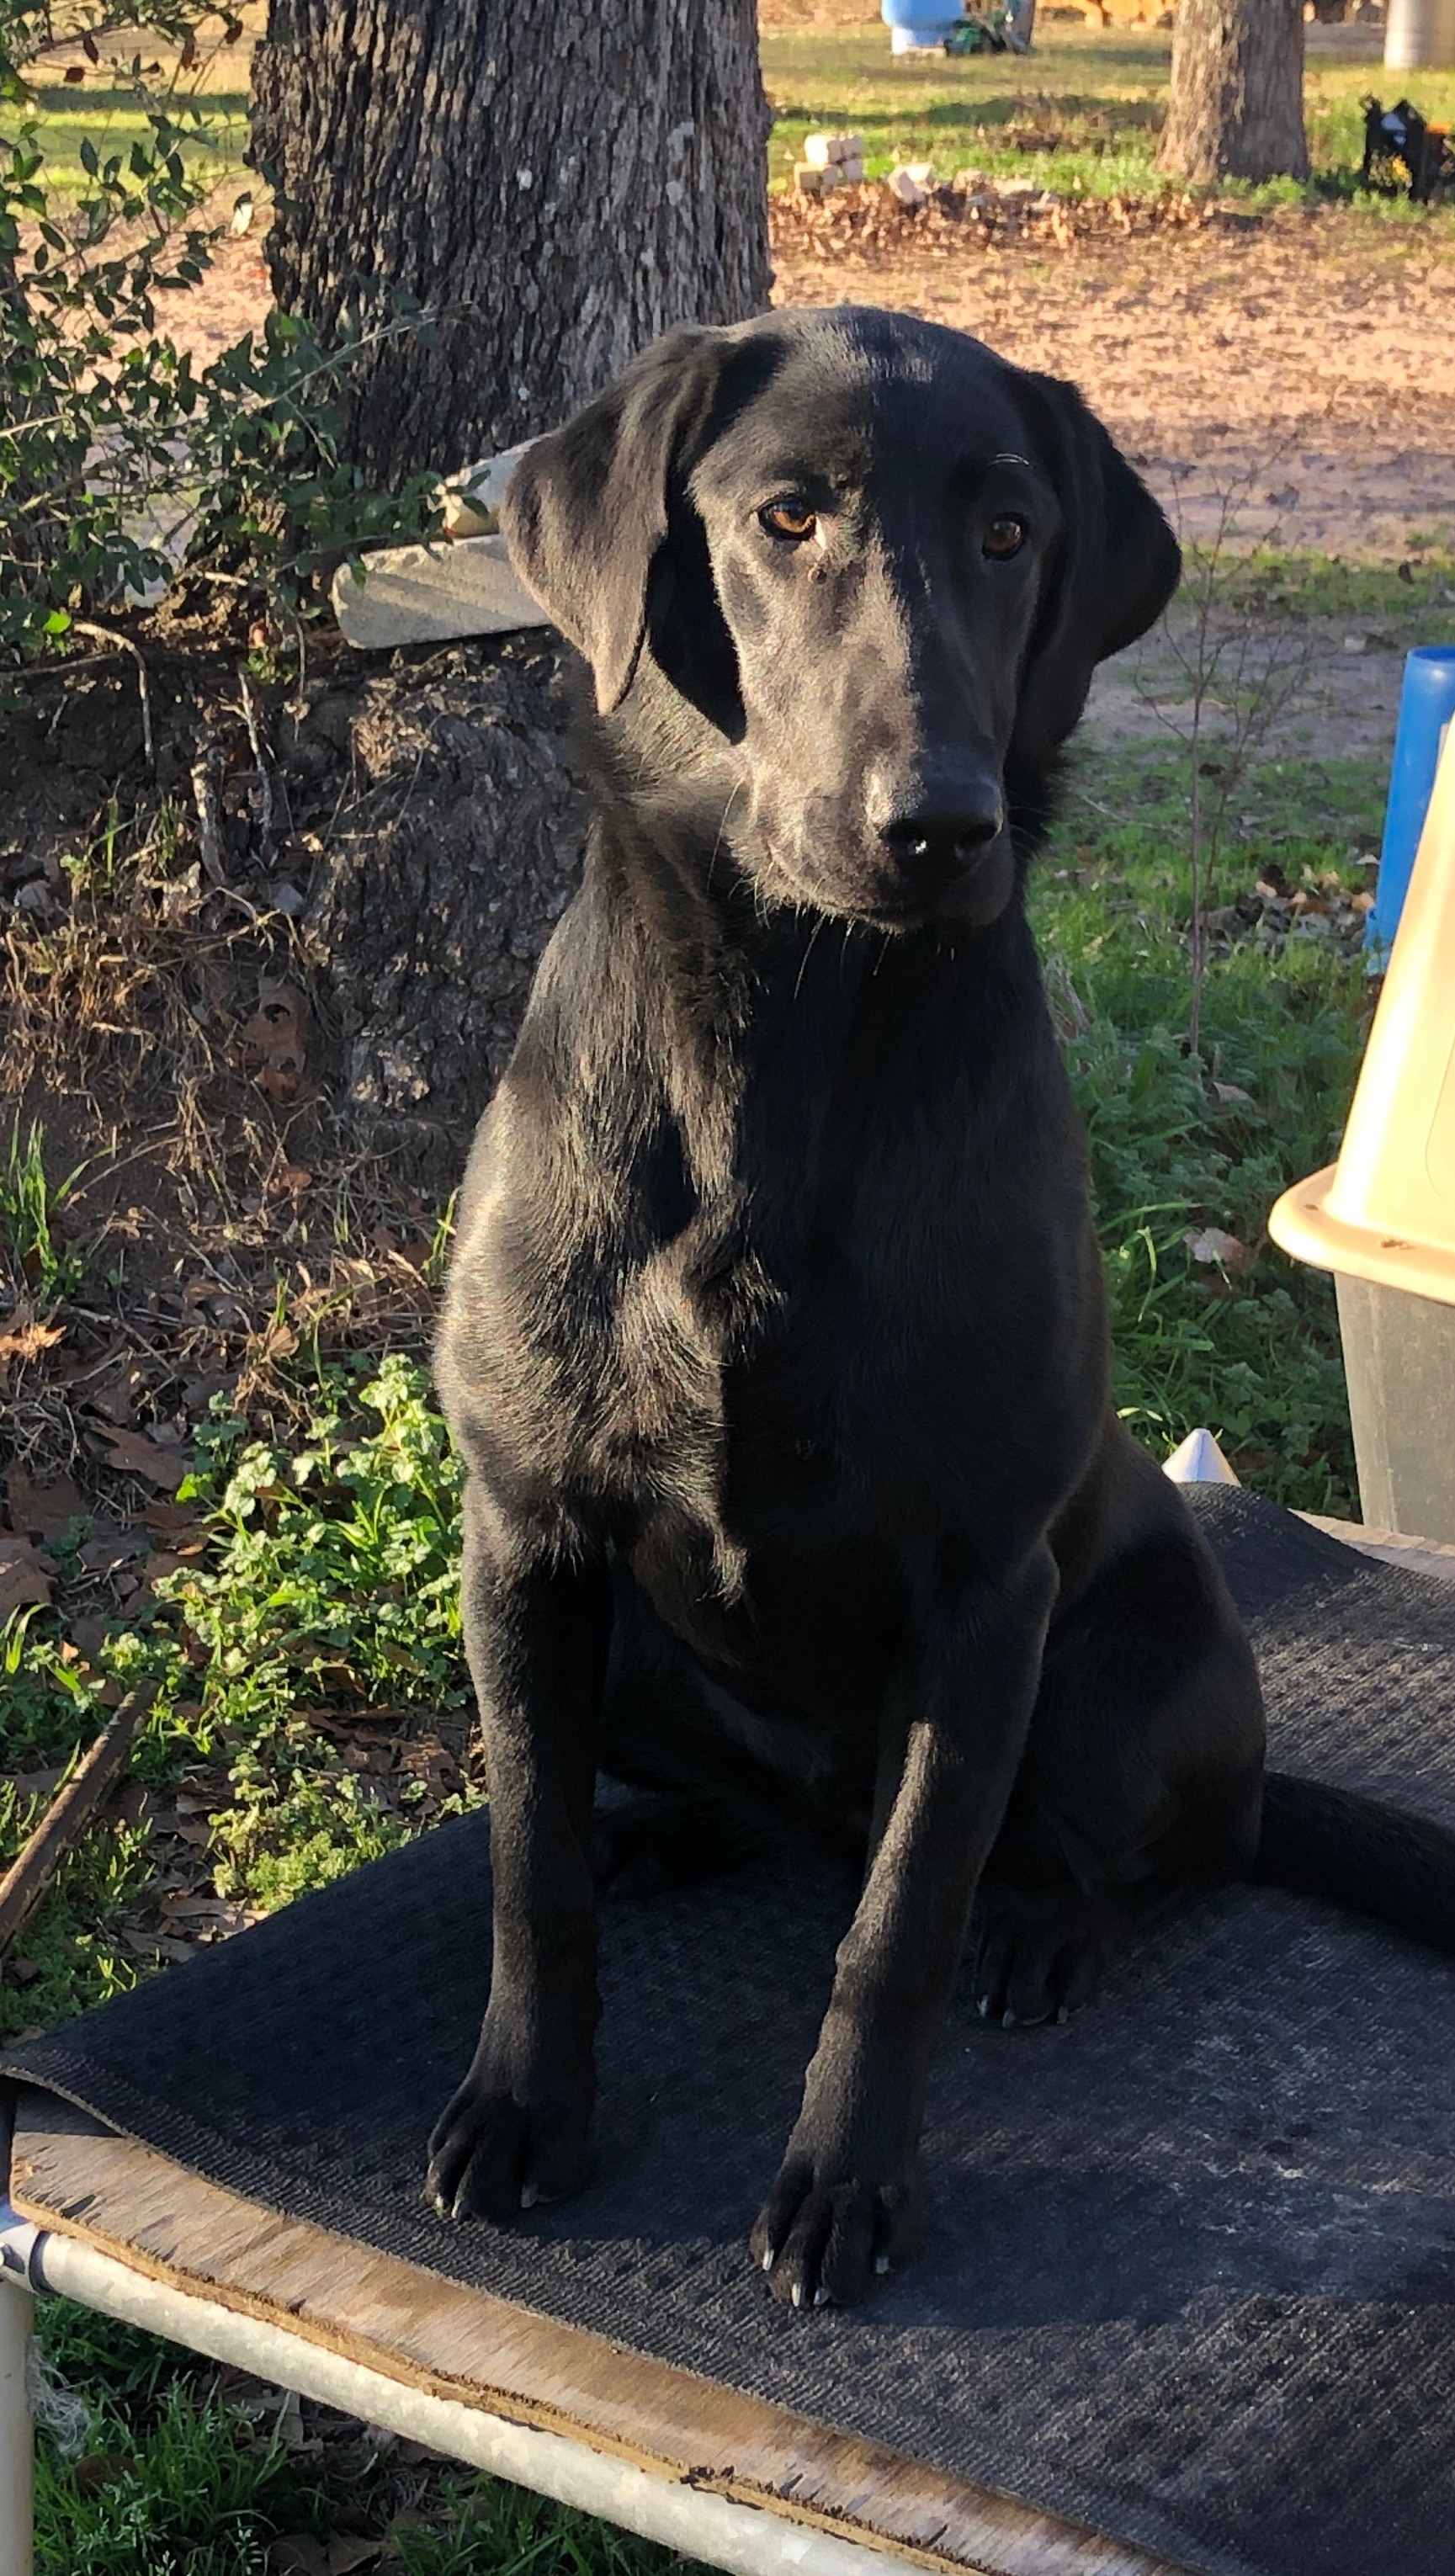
1234, 700
209, 820
70, 1811
260, 763
124, 644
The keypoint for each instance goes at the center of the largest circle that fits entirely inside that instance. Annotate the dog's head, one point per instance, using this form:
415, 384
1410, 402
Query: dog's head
851, 573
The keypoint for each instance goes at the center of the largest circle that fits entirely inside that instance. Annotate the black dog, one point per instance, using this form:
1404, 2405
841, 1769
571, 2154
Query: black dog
775, 1340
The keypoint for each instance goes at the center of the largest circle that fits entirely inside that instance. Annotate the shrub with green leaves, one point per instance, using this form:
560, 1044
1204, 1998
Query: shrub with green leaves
117, 454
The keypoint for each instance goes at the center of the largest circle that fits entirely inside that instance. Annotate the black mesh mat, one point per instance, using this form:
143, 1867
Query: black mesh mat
1191, 2278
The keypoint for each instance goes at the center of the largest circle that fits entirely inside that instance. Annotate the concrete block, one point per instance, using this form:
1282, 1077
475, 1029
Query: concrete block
824, 151
471, 499
426, 594
810, 181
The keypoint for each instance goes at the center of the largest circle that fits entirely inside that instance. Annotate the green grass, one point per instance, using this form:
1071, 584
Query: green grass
112, 120
1254, 1357
1410, 604
171, 2479
1102, 95
38, 1265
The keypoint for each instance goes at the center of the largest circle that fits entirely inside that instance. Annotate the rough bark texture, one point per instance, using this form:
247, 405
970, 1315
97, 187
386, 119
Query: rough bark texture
1236, 109
561, 182
454, 854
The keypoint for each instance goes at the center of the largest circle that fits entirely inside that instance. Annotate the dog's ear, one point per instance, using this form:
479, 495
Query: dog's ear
586, 509
1117, 566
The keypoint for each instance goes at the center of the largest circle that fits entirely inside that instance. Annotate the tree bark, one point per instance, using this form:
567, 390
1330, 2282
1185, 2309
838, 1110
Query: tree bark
559, 182
1236, 109
449, 857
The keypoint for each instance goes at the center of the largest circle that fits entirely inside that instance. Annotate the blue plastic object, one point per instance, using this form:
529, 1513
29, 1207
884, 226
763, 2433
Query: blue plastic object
919, 24
1426, 707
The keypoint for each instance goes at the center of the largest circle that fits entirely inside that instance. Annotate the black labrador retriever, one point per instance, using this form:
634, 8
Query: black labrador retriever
775, 1340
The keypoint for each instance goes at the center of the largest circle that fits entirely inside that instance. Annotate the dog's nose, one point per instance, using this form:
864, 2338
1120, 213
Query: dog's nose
944, 817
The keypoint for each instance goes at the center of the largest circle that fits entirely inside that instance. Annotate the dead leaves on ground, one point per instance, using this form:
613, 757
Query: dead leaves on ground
274, 1045
1274, 910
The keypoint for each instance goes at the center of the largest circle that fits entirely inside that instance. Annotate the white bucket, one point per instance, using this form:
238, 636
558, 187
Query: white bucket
1419, 35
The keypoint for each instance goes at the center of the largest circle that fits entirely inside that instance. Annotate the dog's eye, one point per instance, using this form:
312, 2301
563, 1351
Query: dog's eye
1003, 538
791, 519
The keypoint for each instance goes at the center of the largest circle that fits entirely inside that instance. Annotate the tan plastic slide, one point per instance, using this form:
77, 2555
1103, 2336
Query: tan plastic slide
1385, 1212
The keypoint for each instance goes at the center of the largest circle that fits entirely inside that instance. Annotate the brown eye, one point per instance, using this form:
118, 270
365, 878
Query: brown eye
1003, 538
791, 519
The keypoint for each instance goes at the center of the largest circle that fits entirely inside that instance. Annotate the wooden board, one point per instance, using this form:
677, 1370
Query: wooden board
1417, 1555
73, 2176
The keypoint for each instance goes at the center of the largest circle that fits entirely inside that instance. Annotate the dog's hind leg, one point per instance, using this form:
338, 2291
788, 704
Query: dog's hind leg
1141, 1777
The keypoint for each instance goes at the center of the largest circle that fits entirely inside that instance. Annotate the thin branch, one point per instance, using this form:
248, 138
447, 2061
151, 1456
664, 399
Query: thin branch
124, 644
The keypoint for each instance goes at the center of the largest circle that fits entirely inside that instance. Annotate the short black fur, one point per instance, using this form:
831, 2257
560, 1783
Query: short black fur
775, 1339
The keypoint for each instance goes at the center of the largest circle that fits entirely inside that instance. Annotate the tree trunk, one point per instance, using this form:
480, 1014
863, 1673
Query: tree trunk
448, 859
560, 182
1236, 109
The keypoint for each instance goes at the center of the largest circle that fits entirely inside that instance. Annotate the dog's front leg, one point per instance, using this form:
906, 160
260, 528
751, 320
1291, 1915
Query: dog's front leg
537, 1611
846, 2203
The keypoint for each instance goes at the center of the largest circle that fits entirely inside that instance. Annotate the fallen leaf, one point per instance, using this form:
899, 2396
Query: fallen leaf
90, 1635
157, 1945
110, 1546
274, 1043
22, 1972
1214, 1245
297, 2554
46, 1511
1232, 1096
135, 1454
25, 1576
116, 1395
23, 1342
345, 2555
37, 1784
176, 1521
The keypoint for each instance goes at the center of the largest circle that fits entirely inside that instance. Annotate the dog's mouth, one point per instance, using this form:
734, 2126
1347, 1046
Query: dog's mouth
965, 892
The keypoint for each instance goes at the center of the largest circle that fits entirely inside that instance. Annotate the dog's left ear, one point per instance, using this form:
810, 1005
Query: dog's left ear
1119, 564
586, 509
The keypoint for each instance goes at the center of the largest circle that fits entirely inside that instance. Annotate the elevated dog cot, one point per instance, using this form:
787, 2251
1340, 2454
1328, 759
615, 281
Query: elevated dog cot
1188, 2300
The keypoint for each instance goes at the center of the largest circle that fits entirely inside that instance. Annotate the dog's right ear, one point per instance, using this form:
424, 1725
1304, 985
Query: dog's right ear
586, 509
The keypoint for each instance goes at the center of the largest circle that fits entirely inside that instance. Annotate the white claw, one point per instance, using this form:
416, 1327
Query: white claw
530, 2194
881, 2263
798, 2294
820, 2298
768, 2260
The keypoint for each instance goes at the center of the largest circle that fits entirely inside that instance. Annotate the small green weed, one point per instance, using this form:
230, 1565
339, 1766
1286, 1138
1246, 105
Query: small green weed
328, 1595
30, 1203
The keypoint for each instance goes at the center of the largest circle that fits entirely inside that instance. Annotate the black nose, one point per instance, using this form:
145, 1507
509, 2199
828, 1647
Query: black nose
943, 819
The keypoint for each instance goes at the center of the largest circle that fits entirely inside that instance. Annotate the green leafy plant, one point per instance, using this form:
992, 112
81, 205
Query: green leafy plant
117, 455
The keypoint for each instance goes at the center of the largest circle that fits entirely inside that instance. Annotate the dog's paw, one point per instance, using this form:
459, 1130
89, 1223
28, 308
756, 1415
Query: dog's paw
1039, 1957
825, 2236
490, 2156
